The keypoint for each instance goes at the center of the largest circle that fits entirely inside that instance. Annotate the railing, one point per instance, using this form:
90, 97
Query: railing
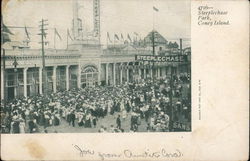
127, 52
28, 54
25, 57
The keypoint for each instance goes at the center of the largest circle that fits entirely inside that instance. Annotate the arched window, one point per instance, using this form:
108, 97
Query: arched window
89, 76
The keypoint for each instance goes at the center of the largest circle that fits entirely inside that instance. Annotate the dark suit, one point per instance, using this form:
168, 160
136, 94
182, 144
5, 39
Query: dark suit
118, 122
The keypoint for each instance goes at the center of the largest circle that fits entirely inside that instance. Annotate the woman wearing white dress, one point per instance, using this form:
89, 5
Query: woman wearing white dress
22, 126
124, 114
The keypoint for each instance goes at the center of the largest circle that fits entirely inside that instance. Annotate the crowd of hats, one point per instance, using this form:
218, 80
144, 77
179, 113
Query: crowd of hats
148, 101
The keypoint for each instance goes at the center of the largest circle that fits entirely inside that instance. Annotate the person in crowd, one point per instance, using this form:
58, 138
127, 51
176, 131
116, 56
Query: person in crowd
118, 122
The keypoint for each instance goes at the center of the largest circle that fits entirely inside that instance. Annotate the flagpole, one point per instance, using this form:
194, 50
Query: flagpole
67, 38
153, 42
107, 40
54, 38
153, 20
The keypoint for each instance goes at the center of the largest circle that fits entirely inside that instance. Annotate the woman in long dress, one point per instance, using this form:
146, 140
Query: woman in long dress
80, 119
88, 120
124, 114
57, 119
22, 127
123, 110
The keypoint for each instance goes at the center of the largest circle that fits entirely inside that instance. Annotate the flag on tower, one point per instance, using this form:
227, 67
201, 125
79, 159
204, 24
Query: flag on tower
5, 32
136, 33
57, 34
5, 29
108, 37
129, 38
27, 33
156, 9
68, 35
116, 37
136, 36
122, 39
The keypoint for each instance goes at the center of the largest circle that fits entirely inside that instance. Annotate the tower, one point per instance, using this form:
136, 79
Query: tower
84, 39
96, 19
77, 22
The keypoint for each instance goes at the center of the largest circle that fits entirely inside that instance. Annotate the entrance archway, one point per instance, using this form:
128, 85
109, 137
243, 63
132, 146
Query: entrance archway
89, 76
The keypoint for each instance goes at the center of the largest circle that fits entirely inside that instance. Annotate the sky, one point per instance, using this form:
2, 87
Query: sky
117, 17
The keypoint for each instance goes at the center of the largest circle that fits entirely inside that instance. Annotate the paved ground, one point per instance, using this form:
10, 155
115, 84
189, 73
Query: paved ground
106, 122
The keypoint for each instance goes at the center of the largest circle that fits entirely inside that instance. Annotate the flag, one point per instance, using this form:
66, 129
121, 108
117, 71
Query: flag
129, 38
68, 35
108, 37
5, 29
57, 34
44, 34
5, 38
122, 37
156, 9
136, 35
5, 32
116, 37
27, 33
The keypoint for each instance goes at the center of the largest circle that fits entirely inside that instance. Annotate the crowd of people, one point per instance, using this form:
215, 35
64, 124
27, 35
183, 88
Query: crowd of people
145, 101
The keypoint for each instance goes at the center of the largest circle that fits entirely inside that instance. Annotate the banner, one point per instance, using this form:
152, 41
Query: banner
96, 16
156, 9
169, 58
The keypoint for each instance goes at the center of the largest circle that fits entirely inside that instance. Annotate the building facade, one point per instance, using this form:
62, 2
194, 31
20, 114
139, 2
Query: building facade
67, 69
85, 63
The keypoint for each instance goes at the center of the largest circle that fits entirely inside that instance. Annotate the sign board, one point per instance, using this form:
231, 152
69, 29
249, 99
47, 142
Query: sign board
96, 16
169, 58
180, 126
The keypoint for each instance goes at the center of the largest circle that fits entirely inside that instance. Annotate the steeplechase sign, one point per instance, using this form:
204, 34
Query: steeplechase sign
169, 58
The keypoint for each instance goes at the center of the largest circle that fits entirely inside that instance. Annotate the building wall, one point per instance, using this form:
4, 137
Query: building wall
64, 70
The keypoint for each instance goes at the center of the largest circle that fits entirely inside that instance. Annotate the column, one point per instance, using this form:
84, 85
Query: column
2, 84
107, 73
67, 77
134, 71
169, 70
127, 75
140, 77
114, 80
163, 72
145, 73
121, 74
127, 72
99, 74
40, 80
25, 82
54, 79
159, 72
151, 72
177, 70
79, 77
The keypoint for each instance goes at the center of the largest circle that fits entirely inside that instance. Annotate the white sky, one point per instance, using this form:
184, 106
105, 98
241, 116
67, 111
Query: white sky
117, 16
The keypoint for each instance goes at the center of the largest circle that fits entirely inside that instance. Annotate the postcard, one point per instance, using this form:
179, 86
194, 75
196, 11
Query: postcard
124, 80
